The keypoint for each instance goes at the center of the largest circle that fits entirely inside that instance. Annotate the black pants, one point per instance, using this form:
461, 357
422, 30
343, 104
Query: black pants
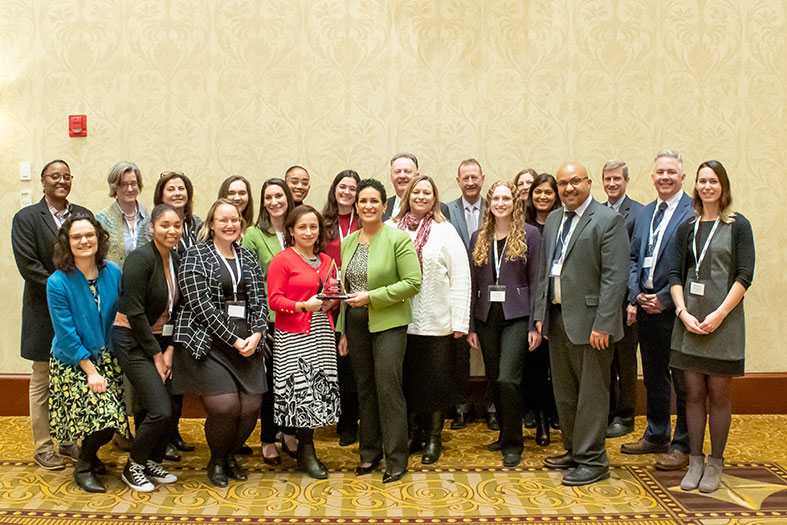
377, 360
461, 369
428, 377
504, 345
655, 335
623, 386
154, 419
536, 380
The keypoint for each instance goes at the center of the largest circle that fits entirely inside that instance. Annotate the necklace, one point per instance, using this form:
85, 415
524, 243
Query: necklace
304, 257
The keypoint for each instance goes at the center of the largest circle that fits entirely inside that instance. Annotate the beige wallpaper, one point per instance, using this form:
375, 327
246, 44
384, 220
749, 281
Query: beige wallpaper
244, 87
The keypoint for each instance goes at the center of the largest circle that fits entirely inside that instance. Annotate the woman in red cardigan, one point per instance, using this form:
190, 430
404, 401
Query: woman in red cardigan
305, 378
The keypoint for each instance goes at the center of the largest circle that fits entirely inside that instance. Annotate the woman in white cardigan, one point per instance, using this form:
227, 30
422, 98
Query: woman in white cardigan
441, 311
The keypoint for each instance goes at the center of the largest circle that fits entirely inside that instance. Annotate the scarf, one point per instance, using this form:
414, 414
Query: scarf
409, 222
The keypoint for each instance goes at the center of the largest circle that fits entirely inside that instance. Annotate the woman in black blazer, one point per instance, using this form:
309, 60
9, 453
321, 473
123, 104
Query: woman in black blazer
218, 332
504, 271
143, 344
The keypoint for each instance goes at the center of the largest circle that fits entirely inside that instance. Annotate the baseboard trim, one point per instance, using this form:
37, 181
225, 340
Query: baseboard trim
753, 393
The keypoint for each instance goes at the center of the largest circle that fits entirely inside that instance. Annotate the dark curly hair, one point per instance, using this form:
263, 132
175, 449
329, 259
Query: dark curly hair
330, 213
63, 259
372, 183
292, 219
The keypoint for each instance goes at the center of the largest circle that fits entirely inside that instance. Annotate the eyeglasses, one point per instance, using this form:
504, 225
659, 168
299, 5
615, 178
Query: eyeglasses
576, 181
172, 173
77, 237
57, 177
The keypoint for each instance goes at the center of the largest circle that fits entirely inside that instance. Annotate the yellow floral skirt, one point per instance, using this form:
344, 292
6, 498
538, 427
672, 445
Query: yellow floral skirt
75, 411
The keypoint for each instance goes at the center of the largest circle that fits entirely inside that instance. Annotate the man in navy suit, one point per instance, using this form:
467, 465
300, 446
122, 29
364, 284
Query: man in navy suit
623, 389
581, 285
404, 166
653, 246
466, 214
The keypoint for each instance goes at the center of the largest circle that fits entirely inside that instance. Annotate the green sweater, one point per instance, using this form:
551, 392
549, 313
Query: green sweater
393, 277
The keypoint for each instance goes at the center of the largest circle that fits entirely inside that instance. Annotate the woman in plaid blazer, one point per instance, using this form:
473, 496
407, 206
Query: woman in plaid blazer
218, 334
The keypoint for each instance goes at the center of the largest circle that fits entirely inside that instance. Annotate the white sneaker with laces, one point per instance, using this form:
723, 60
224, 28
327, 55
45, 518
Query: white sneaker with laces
134, 477
157, 473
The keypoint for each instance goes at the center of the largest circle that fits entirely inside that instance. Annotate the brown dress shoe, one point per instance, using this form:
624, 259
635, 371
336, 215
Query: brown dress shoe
643, 446
673, 460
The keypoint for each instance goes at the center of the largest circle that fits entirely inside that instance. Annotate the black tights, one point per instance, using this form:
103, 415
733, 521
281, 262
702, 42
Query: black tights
230, 421
708, 397
305, 436
92, 442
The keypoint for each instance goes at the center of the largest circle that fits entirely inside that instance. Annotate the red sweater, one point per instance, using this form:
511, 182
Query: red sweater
334, 247
290, 281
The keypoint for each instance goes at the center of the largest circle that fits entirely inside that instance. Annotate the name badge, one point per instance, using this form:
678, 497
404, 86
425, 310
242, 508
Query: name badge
236, 309
648, 262
497, 293
556, 269
696, 288
167, 330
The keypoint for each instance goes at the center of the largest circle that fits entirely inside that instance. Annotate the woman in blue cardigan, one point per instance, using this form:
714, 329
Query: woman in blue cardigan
85, 385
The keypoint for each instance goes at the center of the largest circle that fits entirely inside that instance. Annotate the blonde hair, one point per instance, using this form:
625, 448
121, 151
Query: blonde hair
437, 215
516, 248
205, 233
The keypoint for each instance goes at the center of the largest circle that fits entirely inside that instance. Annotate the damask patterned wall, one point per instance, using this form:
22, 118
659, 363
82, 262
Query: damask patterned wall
223, 87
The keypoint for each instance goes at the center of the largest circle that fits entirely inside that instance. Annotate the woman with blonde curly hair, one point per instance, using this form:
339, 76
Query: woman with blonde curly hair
504, 270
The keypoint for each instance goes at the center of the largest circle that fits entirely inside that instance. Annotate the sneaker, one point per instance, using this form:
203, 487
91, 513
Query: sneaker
49, 460
70, 451
134, 477
157, 473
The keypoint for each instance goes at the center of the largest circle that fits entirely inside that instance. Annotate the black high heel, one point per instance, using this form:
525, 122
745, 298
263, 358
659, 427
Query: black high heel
362, 471
288, 450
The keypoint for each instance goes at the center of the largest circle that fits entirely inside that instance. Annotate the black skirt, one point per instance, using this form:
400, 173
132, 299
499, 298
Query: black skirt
428, 373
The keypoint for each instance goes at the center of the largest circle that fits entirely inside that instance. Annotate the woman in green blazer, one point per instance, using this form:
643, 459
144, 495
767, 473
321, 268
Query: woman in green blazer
266, 239
381, 273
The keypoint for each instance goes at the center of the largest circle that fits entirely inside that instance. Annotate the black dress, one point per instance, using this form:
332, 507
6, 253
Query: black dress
224, 370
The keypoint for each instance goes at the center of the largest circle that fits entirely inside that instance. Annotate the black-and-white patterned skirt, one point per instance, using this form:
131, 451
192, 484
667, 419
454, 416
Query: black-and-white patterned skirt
305, 377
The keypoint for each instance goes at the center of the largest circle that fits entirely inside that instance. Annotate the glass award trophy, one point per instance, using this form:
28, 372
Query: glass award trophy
333, 288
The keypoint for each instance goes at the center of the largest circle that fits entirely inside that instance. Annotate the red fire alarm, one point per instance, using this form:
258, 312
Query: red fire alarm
77, 125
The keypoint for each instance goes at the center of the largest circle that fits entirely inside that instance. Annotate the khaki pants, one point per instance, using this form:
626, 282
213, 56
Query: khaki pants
39, 407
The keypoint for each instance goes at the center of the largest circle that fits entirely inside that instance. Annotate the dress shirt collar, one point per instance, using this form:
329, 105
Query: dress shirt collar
672, 202
471, 207
580, 211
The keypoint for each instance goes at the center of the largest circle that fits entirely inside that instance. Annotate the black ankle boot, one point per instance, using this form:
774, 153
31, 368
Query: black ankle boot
542, 429
216, 474
308, 462
233, 470
434, 440
84, 477
415, 441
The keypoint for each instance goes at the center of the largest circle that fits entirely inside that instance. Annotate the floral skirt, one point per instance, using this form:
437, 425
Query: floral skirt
305, 376
75, 411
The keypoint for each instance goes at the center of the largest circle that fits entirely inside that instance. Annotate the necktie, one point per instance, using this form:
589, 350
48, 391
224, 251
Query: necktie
472, 225
561, 240
654, 227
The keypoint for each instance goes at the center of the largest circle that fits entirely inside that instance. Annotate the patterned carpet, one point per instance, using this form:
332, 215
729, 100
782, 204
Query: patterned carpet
468, 485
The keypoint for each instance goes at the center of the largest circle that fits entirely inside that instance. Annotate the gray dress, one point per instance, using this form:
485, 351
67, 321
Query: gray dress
722, 352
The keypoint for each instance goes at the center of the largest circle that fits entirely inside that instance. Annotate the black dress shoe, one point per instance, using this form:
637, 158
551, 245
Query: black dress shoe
216, 474
459, 422
561, 461
529, 420
275, 460
620, 426
584, 475
245, 450
362, 471
348, 437
495, 446
181, 445
171, 454
233, 470
491, 421
390, 477
542, 430
511, 459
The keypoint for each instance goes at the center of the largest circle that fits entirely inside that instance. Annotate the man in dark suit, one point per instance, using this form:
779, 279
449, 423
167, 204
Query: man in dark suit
623, 389
466, 214
33, 233
653, 246
404, 166
582, 282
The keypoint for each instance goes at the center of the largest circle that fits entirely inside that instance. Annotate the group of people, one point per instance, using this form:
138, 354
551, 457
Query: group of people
130, 310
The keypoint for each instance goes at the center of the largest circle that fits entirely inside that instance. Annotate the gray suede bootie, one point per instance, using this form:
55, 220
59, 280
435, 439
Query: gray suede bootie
696, 468
711, 478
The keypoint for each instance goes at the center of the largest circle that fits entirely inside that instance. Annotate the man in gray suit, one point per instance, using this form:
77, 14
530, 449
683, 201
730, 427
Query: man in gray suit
623, 389
582, 281
466, 214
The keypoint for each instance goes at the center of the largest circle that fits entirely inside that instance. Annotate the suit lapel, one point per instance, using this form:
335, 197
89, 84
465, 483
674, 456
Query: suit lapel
460, 222
675, 220
550, 232
583, 221
47, 217
625, 207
